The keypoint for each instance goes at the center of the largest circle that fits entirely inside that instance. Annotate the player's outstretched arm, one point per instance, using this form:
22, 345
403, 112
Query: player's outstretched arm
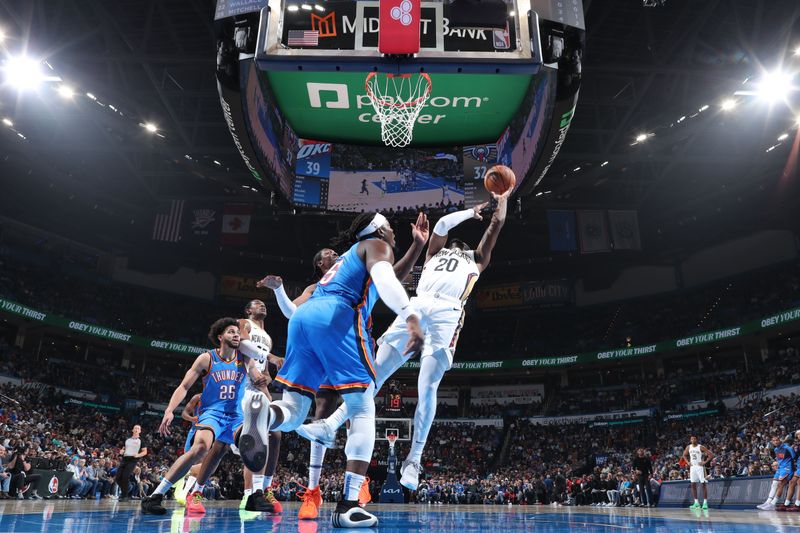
378, 258
200, 365
286, 305
419, 234
448, 222
483, 254
188, 410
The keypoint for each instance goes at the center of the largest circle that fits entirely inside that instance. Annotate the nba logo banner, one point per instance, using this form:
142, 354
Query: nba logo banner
399, 27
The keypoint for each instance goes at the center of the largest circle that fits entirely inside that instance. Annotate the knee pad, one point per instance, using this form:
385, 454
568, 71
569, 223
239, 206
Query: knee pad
361, 437
294, 407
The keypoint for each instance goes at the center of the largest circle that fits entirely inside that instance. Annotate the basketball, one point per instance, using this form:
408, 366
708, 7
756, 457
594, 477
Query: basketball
499, 179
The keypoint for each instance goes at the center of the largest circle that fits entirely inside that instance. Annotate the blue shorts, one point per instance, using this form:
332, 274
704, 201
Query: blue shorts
783, 472
189, 439
328, 343
223, 425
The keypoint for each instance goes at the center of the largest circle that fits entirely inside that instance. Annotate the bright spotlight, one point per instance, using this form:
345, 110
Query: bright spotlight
23, 72
292, 8
306, 7
775, 86
7, 122
796, 51
641, 137
2, 36
319, 7
728, 104
149, 126
65, 91
783, 136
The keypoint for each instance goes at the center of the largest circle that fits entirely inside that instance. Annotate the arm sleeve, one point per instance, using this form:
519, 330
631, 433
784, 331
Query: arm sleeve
287, 306
448, 222
390, 289
254, 350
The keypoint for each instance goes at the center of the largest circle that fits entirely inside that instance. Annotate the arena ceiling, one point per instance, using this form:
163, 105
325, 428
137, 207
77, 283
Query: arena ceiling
153, 60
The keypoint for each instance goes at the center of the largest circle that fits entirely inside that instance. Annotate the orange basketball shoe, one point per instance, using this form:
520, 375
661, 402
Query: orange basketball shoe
312, 500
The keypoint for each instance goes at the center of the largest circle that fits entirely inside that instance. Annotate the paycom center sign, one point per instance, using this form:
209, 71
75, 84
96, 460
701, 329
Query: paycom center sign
462, 109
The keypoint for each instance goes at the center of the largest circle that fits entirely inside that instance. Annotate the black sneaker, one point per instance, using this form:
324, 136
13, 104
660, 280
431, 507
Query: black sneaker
257, 503
349, 514
152, 504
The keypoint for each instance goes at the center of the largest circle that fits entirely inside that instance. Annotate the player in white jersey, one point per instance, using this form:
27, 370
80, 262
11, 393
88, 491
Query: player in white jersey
447, 279
694, 453
258, 494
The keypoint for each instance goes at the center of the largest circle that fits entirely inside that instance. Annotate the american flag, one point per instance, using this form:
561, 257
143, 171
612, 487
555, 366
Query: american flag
303, 38
167, 226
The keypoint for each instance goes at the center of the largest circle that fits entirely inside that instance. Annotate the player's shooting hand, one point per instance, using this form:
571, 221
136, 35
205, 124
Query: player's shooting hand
275, 360
270, 282
476, 211
165, 422
416, 339
502, 197
420, 230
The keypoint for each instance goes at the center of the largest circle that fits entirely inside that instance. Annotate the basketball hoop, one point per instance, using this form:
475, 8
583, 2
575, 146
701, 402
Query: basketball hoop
392, 440
398, 100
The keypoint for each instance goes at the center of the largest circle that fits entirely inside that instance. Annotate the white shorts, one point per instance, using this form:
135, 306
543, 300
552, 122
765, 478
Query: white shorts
441, 320
697, 474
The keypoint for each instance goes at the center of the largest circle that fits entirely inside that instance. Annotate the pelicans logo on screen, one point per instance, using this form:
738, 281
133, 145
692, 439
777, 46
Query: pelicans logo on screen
481, 152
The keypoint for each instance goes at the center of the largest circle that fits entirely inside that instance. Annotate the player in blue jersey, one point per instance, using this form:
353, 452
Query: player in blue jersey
325, 402
223, 372
328, 339
784, 455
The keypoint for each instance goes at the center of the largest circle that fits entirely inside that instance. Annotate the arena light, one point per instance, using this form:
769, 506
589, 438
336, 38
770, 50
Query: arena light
149, 126
292, 8
796, 51
774, 86
702, 108
65, 91
604, 163
512, 14
319, 7
576, 169
728, 104
642, 137
2, 36
90, 96
23, 72
783, 136
306, 7
7, 122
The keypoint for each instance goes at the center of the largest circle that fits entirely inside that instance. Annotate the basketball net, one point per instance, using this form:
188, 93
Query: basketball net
392, 440
398, 100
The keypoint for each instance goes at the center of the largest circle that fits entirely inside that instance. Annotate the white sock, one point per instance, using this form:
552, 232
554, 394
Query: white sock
430, 375
352, 485
187, 487
267, 483
787, 502
163, 487
258, 482
695, 501
797, 502
315, 464
339, 417
248, 492
705, 500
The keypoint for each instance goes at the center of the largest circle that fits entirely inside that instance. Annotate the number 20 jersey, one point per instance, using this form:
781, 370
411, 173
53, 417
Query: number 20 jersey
450, 273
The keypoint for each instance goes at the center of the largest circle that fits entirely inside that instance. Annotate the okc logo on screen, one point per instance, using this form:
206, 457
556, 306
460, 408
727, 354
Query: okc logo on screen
403, 13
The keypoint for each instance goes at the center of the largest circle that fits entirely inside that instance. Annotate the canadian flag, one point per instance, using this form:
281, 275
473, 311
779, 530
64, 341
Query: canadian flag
236, 224
399, 26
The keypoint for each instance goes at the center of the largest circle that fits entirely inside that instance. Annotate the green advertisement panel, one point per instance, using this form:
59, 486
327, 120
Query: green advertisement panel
765, 323
462, 109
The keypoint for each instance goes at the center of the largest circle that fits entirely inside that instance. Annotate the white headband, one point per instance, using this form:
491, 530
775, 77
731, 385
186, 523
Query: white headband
373, 226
